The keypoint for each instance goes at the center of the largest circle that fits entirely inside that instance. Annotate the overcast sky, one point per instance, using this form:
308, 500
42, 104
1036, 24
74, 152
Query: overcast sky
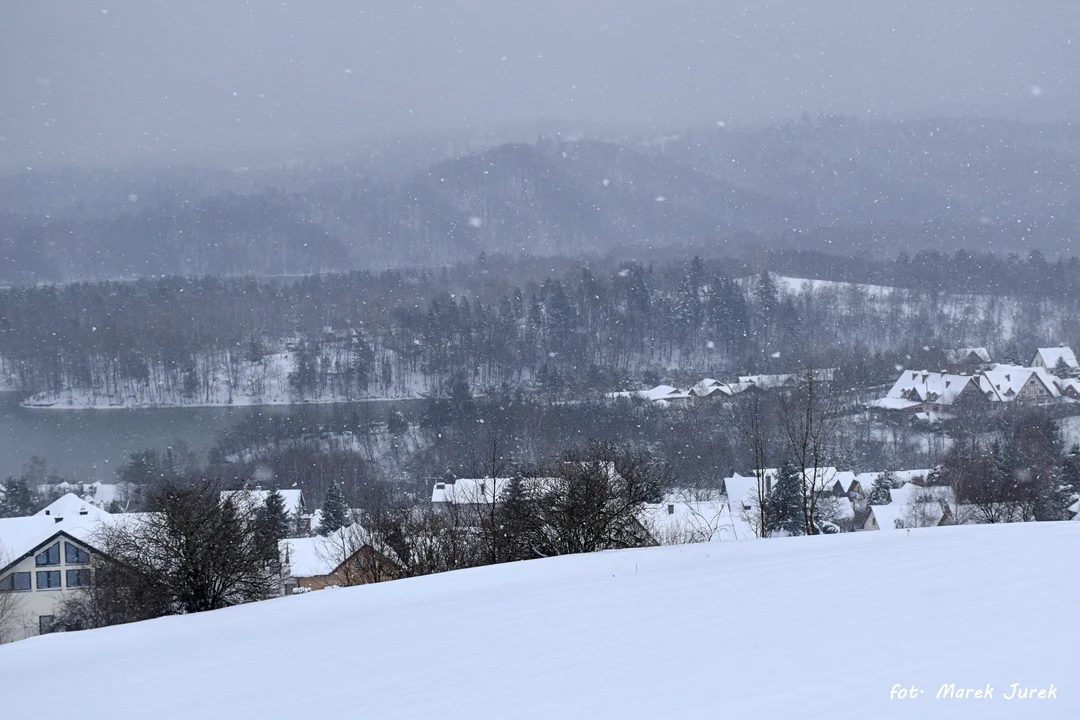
133, 80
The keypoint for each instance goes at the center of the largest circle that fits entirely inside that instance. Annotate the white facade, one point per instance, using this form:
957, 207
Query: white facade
33, 586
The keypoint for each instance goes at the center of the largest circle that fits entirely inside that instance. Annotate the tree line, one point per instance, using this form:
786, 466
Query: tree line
356, 335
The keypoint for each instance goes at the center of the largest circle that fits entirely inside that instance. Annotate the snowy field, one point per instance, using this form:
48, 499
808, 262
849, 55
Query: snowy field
824, 627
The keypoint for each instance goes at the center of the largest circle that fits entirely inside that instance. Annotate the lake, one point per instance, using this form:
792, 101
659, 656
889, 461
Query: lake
88, 445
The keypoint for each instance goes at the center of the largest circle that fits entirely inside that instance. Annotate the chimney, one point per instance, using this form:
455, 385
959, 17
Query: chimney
670, 509
48, 512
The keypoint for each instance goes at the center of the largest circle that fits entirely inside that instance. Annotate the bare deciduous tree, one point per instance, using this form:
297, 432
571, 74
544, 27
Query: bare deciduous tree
755, 433
11, 614
193, 551
807, 420
358, 556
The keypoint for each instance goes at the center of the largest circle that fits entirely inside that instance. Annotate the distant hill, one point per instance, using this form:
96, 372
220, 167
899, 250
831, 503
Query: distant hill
832, 184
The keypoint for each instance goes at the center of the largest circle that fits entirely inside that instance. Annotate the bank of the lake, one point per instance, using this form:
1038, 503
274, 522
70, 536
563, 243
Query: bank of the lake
88, 445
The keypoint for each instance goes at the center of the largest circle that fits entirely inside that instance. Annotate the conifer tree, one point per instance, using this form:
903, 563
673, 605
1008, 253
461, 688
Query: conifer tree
785, 504
880, 494
334, 513
275, 516
17, 500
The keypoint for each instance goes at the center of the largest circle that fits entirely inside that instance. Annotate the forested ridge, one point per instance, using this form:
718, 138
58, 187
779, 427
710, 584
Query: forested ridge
832, 184
582, 329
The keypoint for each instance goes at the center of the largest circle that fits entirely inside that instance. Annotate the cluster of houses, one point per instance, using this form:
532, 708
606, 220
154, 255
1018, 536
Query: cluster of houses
46, 557
711, 389
974, 382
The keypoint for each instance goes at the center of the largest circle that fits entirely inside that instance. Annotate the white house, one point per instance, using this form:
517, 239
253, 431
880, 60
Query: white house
42, 560
1048, 358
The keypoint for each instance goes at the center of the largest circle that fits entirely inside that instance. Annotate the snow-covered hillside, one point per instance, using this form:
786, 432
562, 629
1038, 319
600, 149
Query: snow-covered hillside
824, 627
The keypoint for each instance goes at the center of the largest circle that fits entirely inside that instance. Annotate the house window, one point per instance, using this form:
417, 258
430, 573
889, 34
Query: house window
45, 624
75, 555
78, 578
15, 582
49, 556
48, 580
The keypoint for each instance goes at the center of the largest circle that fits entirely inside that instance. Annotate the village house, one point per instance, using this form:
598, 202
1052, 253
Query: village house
920, 391
1057, 358
43, 559
678, 520
349, 556
710, 389
969, 360
900, 517
1029, 386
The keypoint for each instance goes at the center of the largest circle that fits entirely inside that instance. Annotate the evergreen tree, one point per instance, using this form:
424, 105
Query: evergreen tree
785, 500
396, 423
880, 494
334, 513
1061, 369
17, 500
275, 516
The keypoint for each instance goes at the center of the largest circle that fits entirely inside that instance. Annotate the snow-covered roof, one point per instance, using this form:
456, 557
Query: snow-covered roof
98, 493
470, 491
1003, 382
710, 388
959, 355
899, 517
740, 489
919, 386
293, 498
1048, 357
909, 493
682, 521
656, 394
20, 535
318, 556
70, 506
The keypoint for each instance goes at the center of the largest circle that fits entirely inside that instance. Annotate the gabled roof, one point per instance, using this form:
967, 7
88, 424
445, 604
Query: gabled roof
318, 556
897, 517
1003, 383
682, 521
1048, 357
22, 536
960, 355
909, 493
919, 386
740, 489
711, 388
72, 506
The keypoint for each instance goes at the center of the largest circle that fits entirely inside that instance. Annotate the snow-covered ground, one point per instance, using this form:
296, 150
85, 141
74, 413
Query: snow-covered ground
824, 627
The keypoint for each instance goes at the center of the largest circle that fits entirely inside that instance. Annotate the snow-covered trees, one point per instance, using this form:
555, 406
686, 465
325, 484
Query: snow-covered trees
16, 499
883, 483
335, 513
785, 502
